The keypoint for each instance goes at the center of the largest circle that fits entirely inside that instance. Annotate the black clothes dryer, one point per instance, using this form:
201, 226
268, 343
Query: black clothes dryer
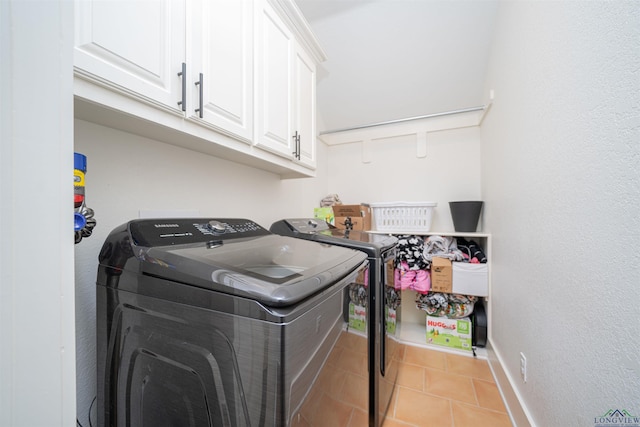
205, 322
379, 296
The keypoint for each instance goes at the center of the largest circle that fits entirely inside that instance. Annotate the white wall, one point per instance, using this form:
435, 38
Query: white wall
394, 59
449, 172
128, 173
37, 363
560, 177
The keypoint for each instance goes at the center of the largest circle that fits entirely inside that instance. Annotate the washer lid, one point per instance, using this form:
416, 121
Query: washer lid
274, 270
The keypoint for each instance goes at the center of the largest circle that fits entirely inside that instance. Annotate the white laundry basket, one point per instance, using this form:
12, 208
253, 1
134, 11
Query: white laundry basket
403, 216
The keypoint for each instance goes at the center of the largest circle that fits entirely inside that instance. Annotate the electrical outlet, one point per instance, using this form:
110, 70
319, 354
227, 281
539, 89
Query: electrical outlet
523, 367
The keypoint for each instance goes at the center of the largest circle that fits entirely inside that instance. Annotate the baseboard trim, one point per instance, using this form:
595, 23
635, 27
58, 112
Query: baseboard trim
512, 401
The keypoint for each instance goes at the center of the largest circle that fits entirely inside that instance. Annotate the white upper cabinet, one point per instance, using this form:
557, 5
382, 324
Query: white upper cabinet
304, 123
231, 78
134, 47
275, 47
286, 91
221, 50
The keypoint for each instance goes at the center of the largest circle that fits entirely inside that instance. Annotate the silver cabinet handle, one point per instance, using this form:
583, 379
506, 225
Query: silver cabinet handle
295, 144
183, 102
296, 141
199, 83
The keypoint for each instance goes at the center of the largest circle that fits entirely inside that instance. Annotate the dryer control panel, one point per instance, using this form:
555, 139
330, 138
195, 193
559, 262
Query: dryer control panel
176, 231
301, 225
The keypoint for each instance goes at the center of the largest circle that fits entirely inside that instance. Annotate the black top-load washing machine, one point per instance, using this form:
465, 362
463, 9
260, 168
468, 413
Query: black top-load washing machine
375, 298
217, 322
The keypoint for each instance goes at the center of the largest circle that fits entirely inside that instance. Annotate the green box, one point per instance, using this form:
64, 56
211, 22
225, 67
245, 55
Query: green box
325, 214
357, 317
453, 333
390, 320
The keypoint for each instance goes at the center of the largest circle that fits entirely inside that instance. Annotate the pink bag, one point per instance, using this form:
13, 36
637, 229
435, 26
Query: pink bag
418, 280
422, 282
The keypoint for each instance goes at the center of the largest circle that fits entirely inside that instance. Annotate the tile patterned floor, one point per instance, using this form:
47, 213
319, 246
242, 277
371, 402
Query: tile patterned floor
433, 388
440, 389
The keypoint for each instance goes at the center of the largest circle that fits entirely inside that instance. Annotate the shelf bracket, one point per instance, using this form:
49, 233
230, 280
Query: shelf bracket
421, 144
366, 151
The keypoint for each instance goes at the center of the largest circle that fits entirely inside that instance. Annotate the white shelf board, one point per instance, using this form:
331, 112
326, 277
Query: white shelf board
433, 233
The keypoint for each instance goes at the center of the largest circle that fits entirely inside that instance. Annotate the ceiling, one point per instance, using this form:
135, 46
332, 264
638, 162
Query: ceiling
393, 59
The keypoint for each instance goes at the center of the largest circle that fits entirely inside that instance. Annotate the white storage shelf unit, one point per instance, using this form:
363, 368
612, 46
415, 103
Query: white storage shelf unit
413, 320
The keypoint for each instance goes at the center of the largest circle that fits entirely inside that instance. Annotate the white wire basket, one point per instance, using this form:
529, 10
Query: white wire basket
403, 216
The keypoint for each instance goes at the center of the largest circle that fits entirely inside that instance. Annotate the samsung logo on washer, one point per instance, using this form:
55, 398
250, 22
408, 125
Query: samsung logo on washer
166, 225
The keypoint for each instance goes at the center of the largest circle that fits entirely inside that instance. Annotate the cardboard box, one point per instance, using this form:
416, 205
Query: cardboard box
390, 272
348, 210
452, 333
441, 275
360, 214
363, 277
357, 224
470, 279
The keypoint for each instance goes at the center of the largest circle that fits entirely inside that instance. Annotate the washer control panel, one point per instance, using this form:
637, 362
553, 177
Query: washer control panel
175, 231
216, 227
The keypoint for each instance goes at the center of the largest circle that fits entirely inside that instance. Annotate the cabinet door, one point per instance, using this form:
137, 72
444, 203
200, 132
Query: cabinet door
135, 47
275, 53
222, 50
305, 106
